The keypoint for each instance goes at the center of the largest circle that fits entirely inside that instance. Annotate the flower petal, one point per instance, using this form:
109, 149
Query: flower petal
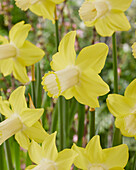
36, 132
69, 93
49, 147
22, 139
19, 72
17, 100
66, 55
3, 40
120, 105
30, 167
131, 90
35, 152
29, 54
19, 33
44, 9
116, 156
93, 56
6, 66
89, 88
122, 5
81, 161
65, 159
94, 151
30, 116
57, 1
5, 109
114, 21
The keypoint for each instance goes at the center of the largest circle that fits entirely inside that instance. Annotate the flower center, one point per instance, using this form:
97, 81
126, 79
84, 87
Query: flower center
7, 51
57, 82
46, 164
9, 127
90, 11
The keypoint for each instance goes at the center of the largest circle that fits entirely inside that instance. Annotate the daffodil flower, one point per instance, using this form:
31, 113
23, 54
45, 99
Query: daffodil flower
134, 49
20, 120
46, 157
124, 109
106, 15
18, 53
93, 157
44, 8
77, 77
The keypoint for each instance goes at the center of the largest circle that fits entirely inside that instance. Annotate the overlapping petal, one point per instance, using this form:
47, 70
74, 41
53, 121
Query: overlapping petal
19, 33
5, 109
66, 55
93, 56
131, 90
6, 66
122, 5
17, 100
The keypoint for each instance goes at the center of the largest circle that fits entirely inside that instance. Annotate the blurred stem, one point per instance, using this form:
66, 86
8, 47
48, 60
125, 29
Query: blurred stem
81, 118
92, 122
134, 162
17, 155
117, 137
1, 157
54, 119
7, 151
60, 99
33, 85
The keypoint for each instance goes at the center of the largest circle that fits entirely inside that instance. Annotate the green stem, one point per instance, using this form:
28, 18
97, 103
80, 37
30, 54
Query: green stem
17, 155
33, 88
1, 157
92, 122
81, 118
117, 138
54, 119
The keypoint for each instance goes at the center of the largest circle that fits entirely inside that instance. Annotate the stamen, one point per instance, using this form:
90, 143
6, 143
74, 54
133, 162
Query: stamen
57, 82
7, 51
9, 127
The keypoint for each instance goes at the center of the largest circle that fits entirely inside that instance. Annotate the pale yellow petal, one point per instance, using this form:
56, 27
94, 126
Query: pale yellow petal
17, 100
66, 55
116, 156
90, 86
57, 1
19, 33
29, 54
36, 132
24, 5
35, 152
22, 139
44, 9
31, 116
93, 56
81, 161
5, 109
69, 93
131, 90
30, 167
7, 51
19, 72
6, 66
120, 105
65, 159
113, 21
3, 40
94, 151
122, 5
49, 147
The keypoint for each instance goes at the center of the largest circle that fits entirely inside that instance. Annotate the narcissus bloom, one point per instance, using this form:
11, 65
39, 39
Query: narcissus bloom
47, 156
21, 121
93, 157
124, 109
106, 15
77, 77
134, 49
18, 53
44, 8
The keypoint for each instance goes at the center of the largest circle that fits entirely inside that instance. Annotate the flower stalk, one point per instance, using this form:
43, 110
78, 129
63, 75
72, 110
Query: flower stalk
33, 85
117, 138
92, 122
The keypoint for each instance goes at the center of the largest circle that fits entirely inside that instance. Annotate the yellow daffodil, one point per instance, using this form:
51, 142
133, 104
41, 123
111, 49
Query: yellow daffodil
134, 49
18, 53
106, 15
77, 77
44, 8
93, 157
20, 120
124, 109
47, 156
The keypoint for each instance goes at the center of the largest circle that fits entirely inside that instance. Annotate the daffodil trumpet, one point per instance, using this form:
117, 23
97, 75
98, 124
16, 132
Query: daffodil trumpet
20, 120
77, 77
106, 15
